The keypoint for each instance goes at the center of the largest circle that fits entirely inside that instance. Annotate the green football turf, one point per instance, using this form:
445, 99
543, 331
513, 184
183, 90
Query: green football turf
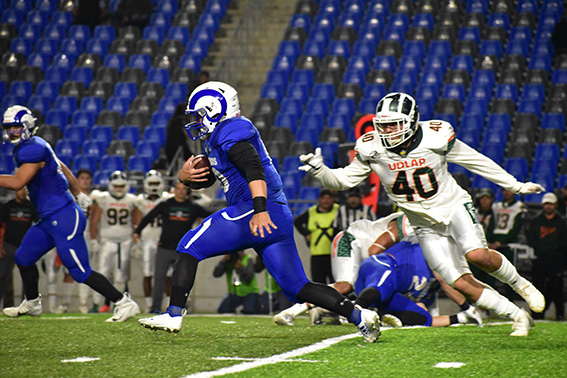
37, 347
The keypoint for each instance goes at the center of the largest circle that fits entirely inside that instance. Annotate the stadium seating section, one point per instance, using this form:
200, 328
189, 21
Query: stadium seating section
486, 66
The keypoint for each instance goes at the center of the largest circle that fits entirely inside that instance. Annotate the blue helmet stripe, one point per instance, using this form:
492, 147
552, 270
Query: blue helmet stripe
212, 93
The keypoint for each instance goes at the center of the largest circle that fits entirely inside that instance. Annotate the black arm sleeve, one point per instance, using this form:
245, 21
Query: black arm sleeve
149, 217
246, 158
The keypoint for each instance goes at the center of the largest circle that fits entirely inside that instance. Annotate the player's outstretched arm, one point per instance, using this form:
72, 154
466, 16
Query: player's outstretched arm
23, 175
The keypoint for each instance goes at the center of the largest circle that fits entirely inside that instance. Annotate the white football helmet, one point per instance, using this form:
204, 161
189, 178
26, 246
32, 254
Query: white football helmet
18, 124
396, 119
118, 184
209, 104
153, 183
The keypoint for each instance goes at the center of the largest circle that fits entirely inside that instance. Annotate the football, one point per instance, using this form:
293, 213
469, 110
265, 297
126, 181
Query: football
201, 161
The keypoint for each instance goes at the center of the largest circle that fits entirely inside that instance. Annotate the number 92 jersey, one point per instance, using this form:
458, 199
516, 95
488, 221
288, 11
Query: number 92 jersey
418, 181
116, 216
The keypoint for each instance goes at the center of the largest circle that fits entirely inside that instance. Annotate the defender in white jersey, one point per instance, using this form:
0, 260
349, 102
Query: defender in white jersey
113, 215
153, 194
411, 157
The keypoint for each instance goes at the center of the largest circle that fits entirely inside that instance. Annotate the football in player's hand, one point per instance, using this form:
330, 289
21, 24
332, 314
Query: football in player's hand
201, 161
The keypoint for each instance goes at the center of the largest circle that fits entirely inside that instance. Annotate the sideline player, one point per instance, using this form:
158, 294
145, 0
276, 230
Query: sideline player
411, 157
114, 213
153, 194
61, 223
257, 215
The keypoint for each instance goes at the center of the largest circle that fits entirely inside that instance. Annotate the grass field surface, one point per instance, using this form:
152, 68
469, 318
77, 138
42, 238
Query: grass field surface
244, 346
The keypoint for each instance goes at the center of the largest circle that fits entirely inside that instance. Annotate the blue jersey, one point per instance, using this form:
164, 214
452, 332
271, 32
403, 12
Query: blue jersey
401, 269
49, 188
232, 180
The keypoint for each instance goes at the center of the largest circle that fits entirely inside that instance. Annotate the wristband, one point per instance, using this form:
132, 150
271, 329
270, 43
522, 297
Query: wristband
259, 204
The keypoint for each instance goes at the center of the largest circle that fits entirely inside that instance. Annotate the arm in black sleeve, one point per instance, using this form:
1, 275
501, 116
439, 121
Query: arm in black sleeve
301, 223
149, 217
219, 269
246, 158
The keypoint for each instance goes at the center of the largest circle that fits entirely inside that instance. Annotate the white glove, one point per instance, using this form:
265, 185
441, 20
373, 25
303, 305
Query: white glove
95, 246
84, 201
311, 162
530, 187
473, 314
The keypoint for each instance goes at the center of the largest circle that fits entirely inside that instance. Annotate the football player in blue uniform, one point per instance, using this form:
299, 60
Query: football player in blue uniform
399, 282
257, 215
61, 223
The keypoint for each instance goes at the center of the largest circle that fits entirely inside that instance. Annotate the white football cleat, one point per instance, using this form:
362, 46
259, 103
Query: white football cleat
163, 322
389, 320
533, 296
283, 318
317, 314
124, 309
522, 324
32, 308
369, 326
474, 315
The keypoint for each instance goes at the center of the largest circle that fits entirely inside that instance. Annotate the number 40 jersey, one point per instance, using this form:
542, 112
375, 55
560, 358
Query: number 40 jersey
116, 216
417, 178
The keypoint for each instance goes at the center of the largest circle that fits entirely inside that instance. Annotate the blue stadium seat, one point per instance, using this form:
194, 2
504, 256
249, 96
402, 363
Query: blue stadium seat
155, 134
177, 90
517, 167
308, 193
160, 19
21, 89
179, 33
548, 152
491, 47
427, 91
74, 47
456, 91
101, 177
127, 90
83, 118
92, 104
479, 182
476, 106
279, 77
67, 62
283, 63
117, 61
424, 20
47, 89
142, 61
168, 104
139, 163
307, 135
290, 49
84, 75
397, 34
37, 17
98, 47
40, 103
344, 106
361, 63
104, 33
93, 148
159, 119
29, 31
432, 78
354, 76
112, 163
462, 62
498, 121
206, 35
553, 121
68, 147
339, 121
317, 106
499, 20
14, 17
530, 105
158, 75
374, 91
21, 45
473, 122
415, 48
76, 133
486, 77
291, 106
507, 91
10, 100
339, 47
147, 148
302, 76
80, 32
312, 121
385, 62
291, 183
440, 48
39, 60
559, 76
314, 48
118, 104
102, 133
65, 103
61, 19
520, 47
167, 6
89, 162
324, 91
300, 21
540, 62
131, 133
47, 46
561, 181
299, 91
190, 61
469, 33
56, 32
290, 164
470, 136
364, 48
287, 120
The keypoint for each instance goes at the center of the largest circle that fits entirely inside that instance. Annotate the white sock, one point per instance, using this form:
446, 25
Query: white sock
507, 273
297, 309
490, 299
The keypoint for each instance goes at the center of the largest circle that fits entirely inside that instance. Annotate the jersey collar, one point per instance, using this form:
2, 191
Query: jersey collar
415, 141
